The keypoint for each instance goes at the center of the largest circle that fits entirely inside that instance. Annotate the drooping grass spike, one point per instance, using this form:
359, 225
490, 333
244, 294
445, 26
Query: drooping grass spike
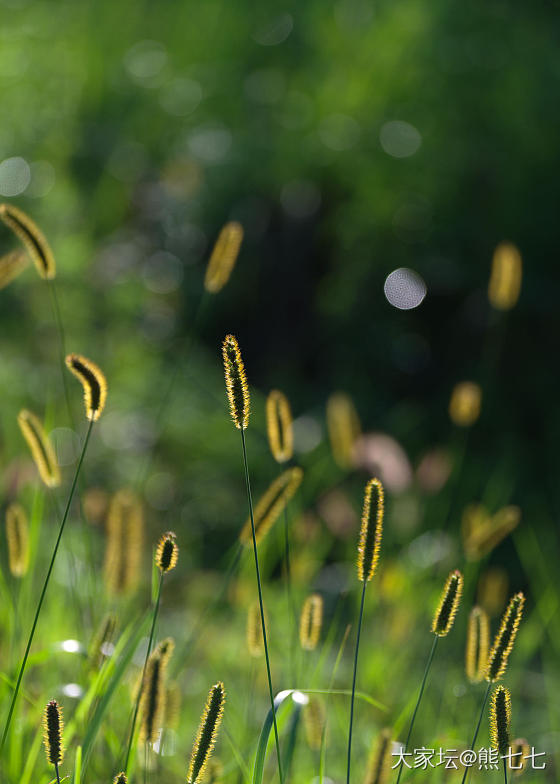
11, 265
93, 382
207, 733
311, 621
40, 446
500, 719
465, 403
17, 535
167, 552
505, 279
343, 425
53, 729
279, 426
255, 641
32, 237
223, 258
371, 530
379, 768
448, 604
478, 639
123, 548
503, 643
237, 388
271, 505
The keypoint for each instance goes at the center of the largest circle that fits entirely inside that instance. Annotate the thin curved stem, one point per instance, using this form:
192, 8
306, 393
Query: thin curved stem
45, 585
475, 736
360, 618
259, 587
424, 679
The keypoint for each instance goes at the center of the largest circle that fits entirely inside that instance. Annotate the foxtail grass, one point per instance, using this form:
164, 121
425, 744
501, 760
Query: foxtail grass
17, 536
379, 768
223, 257
500, 719
369, 545
53, 728
311, 622
153, 692
12, 265
465, 403
279, 426
344, 429
476, 654
504, 285
40, 447
124, 538
207, 733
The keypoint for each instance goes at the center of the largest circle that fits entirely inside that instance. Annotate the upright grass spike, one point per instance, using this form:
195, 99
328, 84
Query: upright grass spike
32, 237
153, 692
40, 446
442, 622
172, 706
12, 265
465, 403
314, 720
53, 728
279, 426
93, 382
271, 505
520, 753
102, 638
123, 548
504, 285
478, 639
223, 257
500, 719
237, 390
344, 429
17, 535
207, 733
311, 621
369, 546
379, 768
255, 643
167, 552
499, 655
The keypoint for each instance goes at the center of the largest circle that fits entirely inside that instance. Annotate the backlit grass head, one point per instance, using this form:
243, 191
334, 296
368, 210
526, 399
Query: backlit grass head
505, 279
92, 380
500, 719
32, 237
255, 639
271, 505
503, 643
311, 622
314, 718
123, 548
343, 425
102, 640
448, 604
207, 733
40, 446
12, 265
520, 753
379, 768
279, 426
478, 638
120, 778
17, 535
237, 388
482, 533
153, 694
465, 403
223, 258
371, 529
167, 552
53, 728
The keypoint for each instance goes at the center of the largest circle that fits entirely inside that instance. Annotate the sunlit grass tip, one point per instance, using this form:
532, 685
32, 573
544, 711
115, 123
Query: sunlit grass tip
379, 768
12, 265
344, 429
478, 639
500, 719
504, 285
279, 426
167, 552
503, 643
17, 535
93, 381
448, 604
42, 450
237, 388
53, 729
311, 622
271, 505
255, 640
223, 257
207, 733
123, 548
371, 529
32, 237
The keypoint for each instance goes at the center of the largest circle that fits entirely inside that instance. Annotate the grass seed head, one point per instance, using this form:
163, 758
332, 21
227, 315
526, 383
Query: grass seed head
500, 719
207, 733
167, 552
53, 728
42, 450
120, 778
504, 286
478, 638
223, 258
448, 604
371, 530
32, 237
17, 534
520, 752
503, 643
237, 388
12, 265
379, 768
123, 548
465, 403
102, 639
343, 425
271, 505
311, 622
279, 426
255, 638
314, 717
153, 694
93, 382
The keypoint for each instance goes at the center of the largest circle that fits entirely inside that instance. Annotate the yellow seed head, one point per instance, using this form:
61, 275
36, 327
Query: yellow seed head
478, 638
237, 388
152, 698
223, 258
505, 279
314, 722
279, 426
379, 769
343, 425
464, 406
125, 535
207, 733
53, 729
120, 778
371, 530
448, 604
102, 639
311, 621
255, 639
167, 552
11, 265
520, 751
93, 382
500, 718
17, 534
41, 448
499, 655
271, 505
32, 237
